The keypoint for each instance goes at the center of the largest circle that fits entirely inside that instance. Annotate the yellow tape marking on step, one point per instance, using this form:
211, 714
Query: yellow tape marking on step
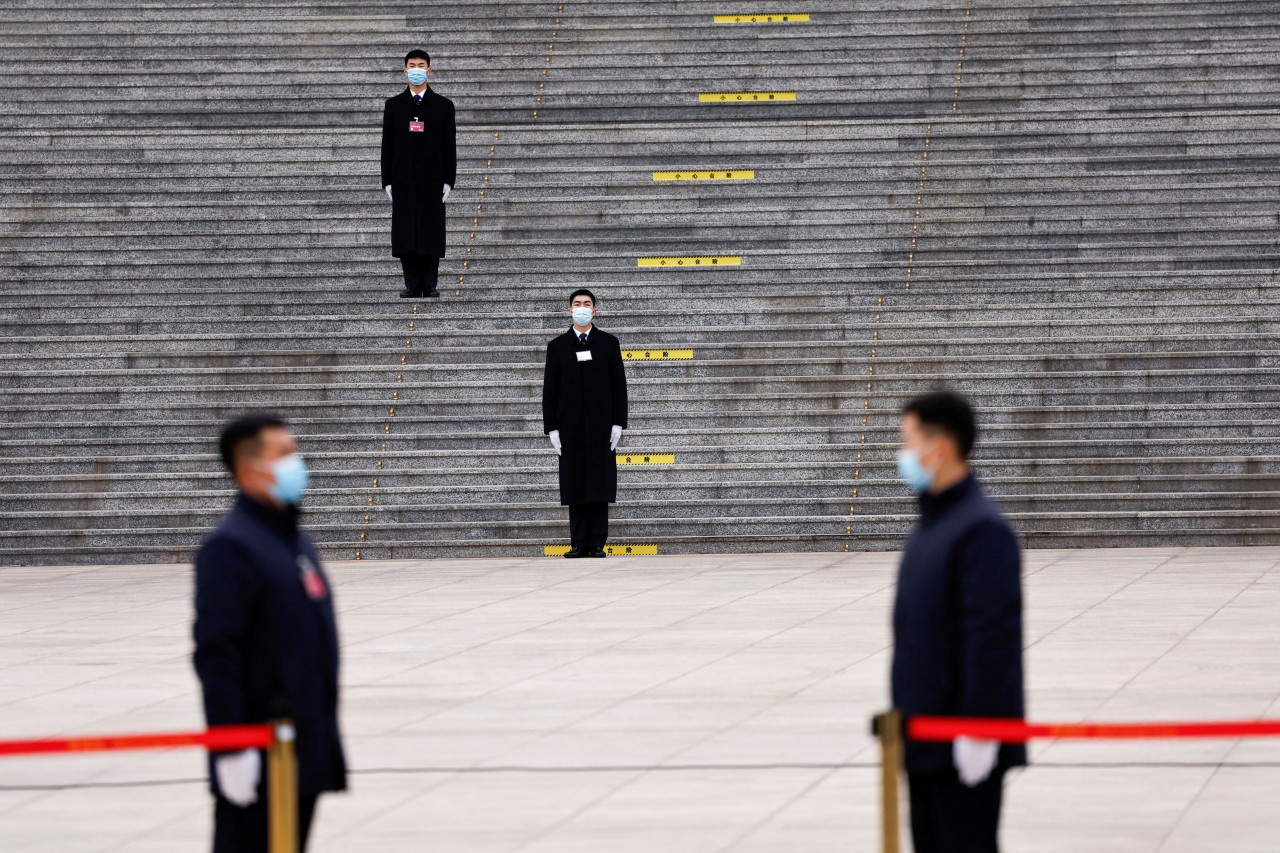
700, 261
728, 175
657, 354
761, 19
646, 459
744, 97
611, 550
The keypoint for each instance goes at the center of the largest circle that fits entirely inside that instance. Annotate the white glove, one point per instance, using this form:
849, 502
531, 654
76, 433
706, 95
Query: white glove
974, 758
447, 189
555, 440
238, 774
388, 189
615, 435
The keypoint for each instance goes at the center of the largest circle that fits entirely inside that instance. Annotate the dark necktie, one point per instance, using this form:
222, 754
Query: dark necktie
417, 99
583, 337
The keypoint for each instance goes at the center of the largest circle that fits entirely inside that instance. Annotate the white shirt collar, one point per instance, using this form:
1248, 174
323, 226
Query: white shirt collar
578, 334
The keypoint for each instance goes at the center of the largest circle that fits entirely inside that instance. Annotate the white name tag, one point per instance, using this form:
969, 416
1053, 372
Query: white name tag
585, 355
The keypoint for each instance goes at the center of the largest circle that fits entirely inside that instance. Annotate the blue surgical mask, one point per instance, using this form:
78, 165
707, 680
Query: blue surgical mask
291, 478
417, 76
582, 317
913, 472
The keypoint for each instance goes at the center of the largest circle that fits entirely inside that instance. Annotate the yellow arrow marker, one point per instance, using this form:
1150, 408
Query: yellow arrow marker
744, 97
611, 550
702, 261
730, 175
657, 354
646, 459
761, 19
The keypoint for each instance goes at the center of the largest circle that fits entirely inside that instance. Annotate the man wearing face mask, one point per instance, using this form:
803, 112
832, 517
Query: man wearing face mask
266, 642
584, 411
419, 169
957, 625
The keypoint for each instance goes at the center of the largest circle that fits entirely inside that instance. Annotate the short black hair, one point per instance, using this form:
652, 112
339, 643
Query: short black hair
582, 291
417, 54
948, 413
242, 432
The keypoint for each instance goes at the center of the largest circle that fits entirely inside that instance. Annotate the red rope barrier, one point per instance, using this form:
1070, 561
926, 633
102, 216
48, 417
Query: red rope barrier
1018, 731
217, 739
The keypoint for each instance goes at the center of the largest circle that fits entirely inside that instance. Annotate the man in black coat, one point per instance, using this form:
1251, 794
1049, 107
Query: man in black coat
957, 625
266, 643
584, 411
419, 169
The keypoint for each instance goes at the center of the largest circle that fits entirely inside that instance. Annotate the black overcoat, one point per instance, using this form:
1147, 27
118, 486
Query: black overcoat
957, 620
265, 646
417, 165
584, 399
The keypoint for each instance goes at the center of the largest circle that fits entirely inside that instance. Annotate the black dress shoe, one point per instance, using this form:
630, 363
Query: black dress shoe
431, 294
575, 553
410, 293
598, 552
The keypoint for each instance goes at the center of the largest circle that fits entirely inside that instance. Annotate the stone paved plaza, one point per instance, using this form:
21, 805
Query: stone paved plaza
700, 703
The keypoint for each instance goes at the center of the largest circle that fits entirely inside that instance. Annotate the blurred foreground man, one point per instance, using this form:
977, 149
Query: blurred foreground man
584, 411
419, 169
266, 639
957, 627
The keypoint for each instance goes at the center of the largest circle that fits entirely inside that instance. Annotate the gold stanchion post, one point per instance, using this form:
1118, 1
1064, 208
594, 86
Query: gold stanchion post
282, 789
888, 728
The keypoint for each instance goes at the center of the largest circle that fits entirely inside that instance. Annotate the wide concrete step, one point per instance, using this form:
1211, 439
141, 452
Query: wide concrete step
677, 434
419, 430
887, 394
442, 327
629, 311
513, 512
863, 495
420, 376
1244, 384
536, 459
520, 229
860, 532
663, 478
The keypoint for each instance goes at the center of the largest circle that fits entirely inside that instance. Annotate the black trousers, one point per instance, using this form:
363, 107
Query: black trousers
589, 525
949, 817
244, 830
420, 272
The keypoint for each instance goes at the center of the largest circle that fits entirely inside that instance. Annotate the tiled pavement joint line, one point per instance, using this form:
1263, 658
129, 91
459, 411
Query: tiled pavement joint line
761, 712
614, 645
1028, 645
1275, 568
1016, 776
488, 604
1153, 662
1189, 632
578, 812
804, 791
544, 770
582, 574
1186, 807
1062, 555
552, 622
623, 783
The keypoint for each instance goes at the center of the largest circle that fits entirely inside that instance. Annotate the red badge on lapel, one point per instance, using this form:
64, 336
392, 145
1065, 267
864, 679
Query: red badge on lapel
312, 580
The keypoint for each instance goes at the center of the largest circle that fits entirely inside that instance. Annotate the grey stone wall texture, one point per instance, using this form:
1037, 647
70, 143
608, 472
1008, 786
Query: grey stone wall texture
1069, 213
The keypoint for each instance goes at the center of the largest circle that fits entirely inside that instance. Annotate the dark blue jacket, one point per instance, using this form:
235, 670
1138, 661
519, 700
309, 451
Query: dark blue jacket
957, 620
266, 647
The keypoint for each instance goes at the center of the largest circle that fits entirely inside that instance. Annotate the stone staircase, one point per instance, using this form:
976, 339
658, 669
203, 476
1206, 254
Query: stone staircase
1074, 222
